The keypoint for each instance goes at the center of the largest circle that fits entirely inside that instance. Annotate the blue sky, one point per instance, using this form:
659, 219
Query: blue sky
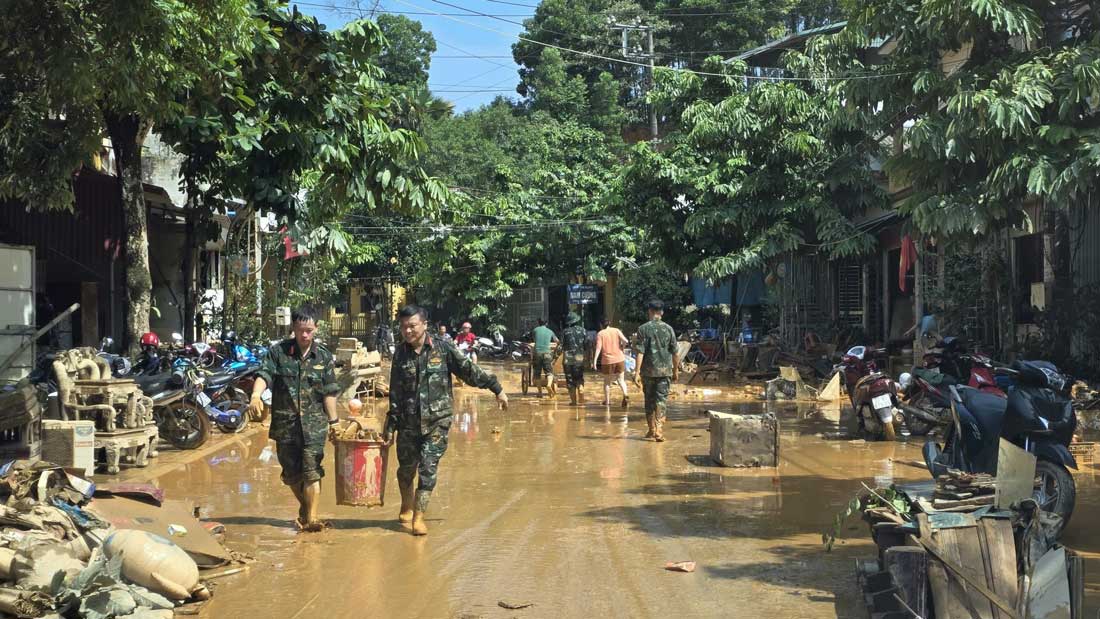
457, 74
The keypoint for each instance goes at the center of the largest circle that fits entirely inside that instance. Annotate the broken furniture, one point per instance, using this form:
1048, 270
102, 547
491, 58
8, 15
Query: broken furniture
20, 424
744, 440
122, 414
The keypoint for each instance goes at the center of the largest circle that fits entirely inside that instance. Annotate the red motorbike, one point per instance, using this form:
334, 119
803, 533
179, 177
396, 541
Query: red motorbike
926, 390
872, 393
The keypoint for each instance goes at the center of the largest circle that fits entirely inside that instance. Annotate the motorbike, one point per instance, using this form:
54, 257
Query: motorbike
202, 353
495, 348
520, 351
120, 365
1036, 415
924, 392
222, 401
384, 340
180, 420
874, 397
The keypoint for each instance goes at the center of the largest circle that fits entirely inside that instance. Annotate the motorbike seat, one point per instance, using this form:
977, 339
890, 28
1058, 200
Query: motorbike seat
154, 383
219, 380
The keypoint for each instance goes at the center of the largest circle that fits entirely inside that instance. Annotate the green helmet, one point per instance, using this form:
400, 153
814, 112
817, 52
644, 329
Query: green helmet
572, 319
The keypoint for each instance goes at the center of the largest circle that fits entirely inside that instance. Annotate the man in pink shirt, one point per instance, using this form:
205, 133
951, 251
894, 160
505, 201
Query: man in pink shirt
610, 360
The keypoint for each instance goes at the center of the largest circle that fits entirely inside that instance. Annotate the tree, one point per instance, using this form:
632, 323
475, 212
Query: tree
771, 168
406, 56
75, 71
993, 108
525, 206
686, 33
301, 131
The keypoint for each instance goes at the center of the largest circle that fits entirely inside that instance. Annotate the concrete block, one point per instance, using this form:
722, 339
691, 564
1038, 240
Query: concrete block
744, 440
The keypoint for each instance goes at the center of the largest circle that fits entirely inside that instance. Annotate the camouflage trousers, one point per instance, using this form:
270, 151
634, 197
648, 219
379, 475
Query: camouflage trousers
543, 362
655, 390
418, 455
574, 376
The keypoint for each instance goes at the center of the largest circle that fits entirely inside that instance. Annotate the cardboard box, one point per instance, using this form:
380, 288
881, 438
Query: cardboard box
69, 444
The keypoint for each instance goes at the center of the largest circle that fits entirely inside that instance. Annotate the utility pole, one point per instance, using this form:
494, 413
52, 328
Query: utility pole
647, 55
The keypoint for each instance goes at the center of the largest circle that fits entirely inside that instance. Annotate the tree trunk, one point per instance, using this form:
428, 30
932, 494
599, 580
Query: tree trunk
127, 133
1064, 315
189, 269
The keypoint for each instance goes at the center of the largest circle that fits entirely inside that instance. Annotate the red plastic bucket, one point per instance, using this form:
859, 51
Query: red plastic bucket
361, 472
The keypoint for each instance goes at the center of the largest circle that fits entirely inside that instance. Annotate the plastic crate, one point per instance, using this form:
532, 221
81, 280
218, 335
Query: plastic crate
1084, 453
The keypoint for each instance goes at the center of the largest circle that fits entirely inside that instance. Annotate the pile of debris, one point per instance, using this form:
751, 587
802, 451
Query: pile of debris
358, 372
69, 549
953, 549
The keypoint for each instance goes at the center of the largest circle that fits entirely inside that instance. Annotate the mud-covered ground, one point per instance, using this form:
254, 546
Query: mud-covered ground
572, 511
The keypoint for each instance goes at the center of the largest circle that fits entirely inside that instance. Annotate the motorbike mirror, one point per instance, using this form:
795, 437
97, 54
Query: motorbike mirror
857, 351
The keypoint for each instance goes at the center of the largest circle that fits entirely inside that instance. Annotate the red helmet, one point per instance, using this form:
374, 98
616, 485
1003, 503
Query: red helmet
150, 339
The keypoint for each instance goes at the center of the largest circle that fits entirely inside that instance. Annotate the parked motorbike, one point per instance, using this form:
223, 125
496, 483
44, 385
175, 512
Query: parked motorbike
120, 365
1037, 415
874, 397
180, 420
924, 392
520, 351
222, 401
384, 340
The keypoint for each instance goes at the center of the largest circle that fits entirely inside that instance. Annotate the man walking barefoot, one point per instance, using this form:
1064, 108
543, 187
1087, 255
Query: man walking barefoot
542, 355
303, 408
574, 340
658, 367
610, 360
421, 409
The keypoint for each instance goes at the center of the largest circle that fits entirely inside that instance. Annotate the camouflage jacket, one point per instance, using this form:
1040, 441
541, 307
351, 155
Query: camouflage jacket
298, 390
420, 385
657, 342
574, 340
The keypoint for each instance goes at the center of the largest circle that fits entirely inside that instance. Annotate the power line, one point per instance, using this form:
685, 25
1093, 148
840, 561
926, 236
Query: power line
676, 69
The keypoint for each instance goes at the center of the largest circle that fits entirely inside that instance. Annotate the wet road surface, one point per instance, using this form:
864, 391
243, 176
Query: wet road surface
571, 510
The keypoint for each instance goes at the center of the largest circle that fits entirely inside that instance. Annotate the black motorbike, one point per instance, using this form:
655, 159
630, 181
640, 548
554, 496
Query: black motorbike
1037, 416
180, 419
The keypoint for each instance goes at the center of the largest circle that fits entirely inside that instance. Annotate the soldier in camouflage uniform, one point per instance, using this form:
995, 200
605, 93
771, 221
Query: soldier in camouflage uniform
300, 373
658, 367
421, 408
574, 339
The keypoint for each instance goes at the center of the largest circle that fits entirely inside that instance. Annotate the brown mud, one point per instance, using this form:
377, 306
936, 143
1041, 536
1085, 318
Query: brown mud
572, 511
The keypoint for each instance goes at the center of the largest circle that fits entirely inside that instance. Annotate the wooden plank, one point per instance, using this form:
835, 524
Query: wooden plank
937, 575
1000, 559
937, 572
971, 559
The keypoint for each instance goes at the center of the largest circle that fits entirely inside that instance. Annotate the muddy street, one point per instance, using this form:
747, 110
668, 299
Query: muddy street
572, 511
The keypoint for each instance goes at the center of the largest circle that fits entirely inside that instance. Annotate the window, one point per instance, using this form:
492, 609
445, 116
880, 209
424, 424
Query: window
210, 270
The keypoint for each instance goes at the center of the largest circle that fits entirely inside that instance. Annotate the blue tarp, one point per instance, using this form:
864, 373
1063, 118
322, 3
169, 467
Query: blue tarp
705, 295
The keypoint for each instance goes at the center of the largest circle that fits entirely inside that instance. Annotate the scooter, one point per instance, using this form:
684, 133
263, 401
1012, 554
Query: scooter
924, 391
1037, 415
872, 394
180, 420
222, 402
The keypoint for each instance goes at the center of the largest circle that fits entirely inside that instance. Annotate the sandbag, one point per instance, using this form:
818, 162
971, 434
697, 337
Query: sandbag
154, 562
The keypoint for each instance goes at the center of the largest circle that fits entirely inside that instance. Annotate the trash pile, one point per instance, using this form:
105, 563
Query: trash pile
63, 553
955, 548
